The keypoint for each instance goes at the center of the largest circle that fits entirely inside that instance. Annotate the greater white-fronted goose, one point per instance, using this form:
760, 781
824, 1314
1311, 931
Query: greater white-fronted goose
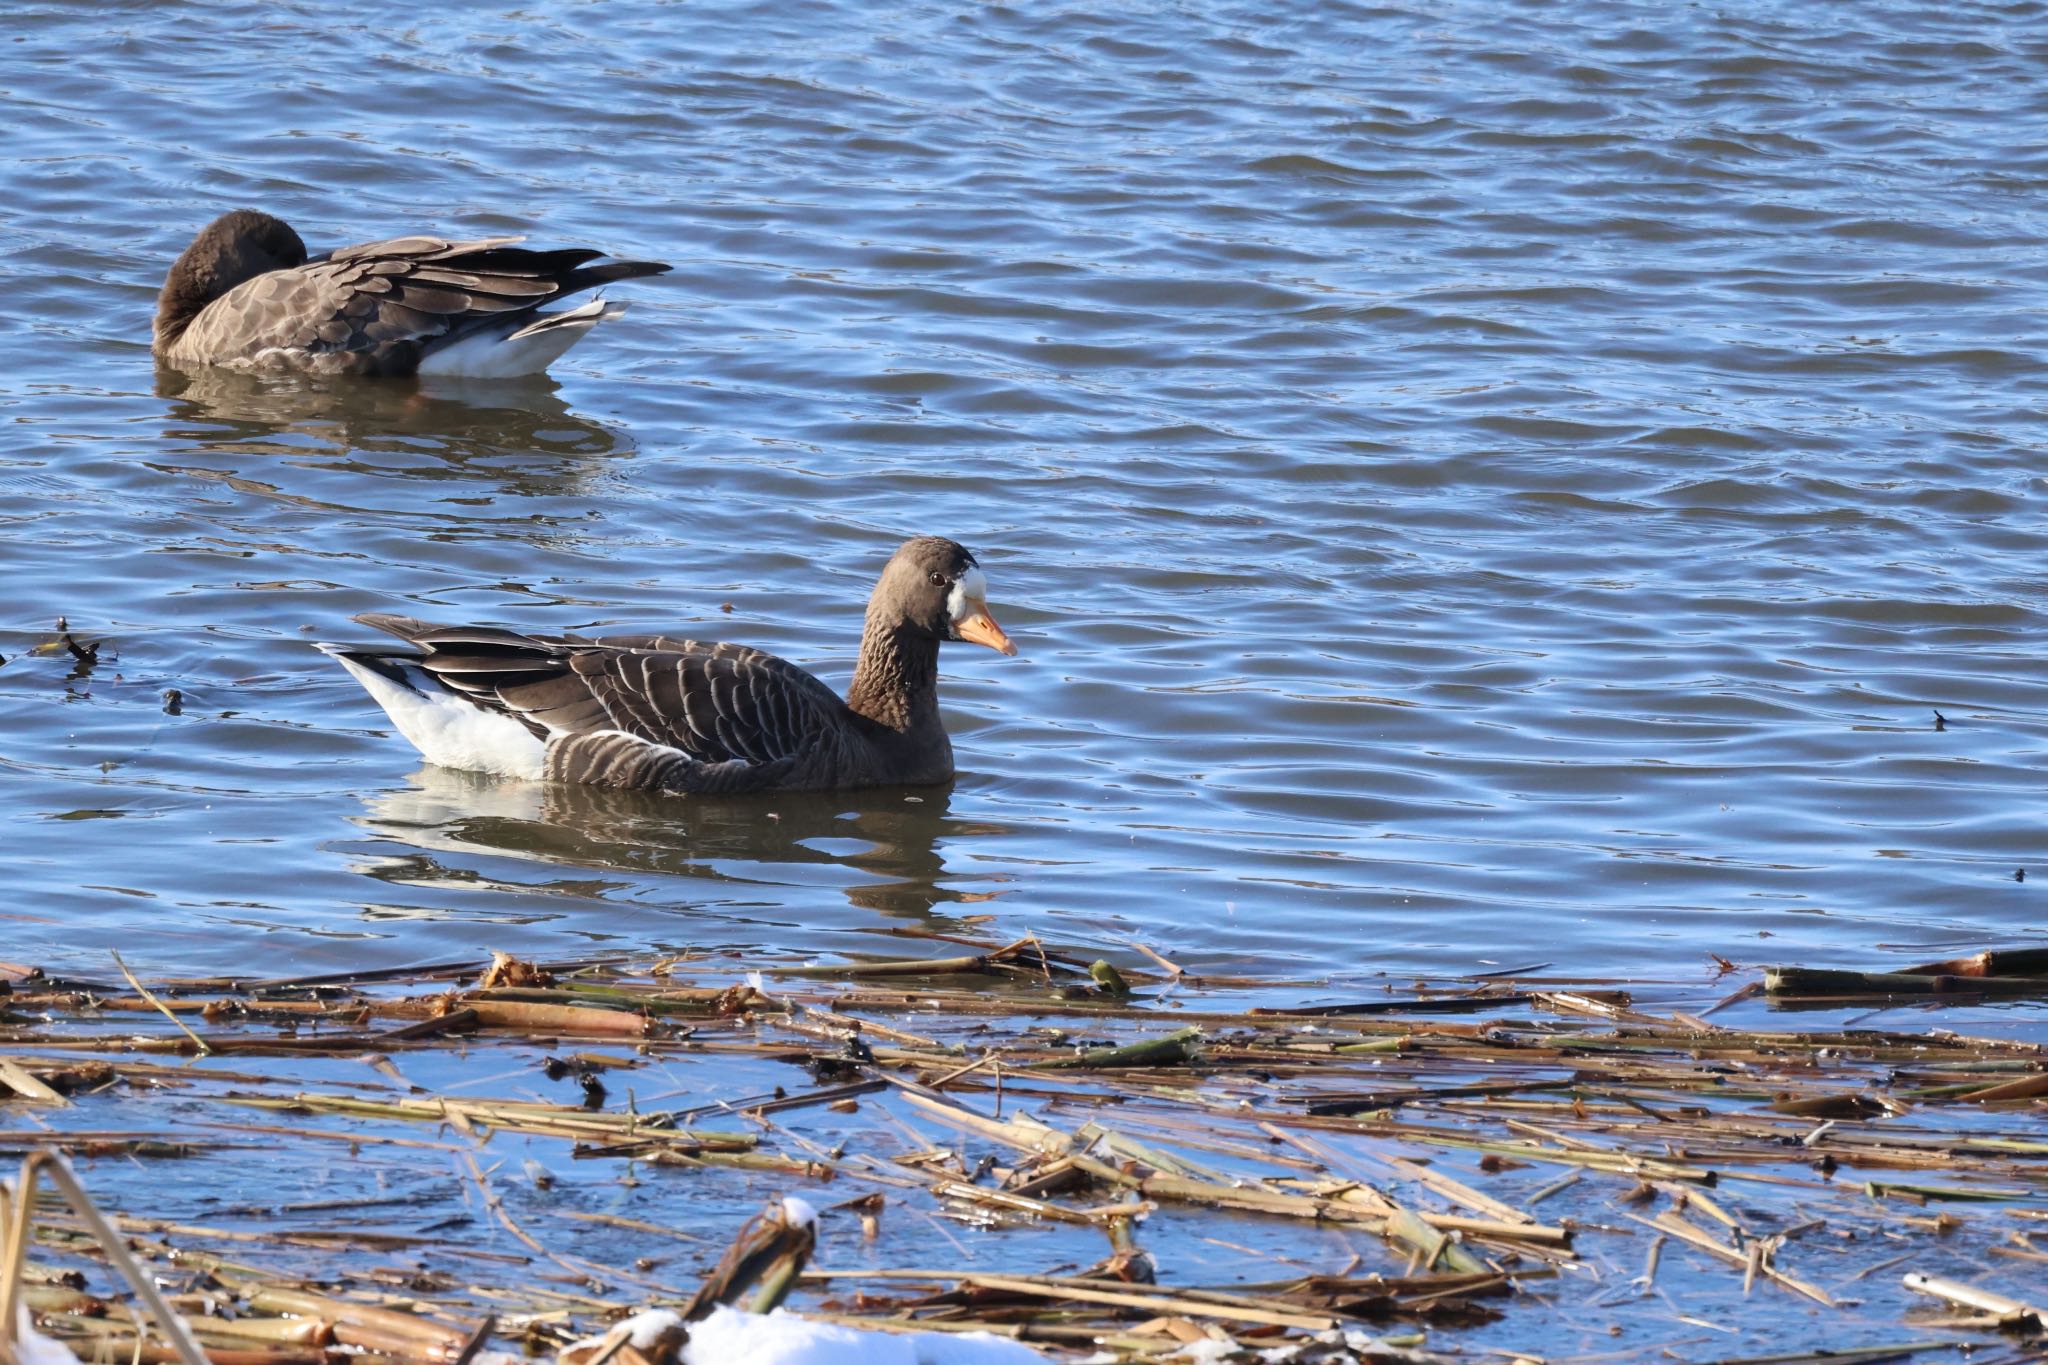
661, 713
245, 294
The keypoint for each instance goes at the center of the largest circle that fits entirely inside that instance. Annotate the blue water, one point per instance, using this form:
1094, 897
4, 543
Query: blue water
1472, 484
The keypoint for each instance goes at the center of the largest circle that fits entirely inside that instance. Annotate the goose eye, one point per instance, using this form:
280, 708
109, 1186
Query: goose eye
938, 580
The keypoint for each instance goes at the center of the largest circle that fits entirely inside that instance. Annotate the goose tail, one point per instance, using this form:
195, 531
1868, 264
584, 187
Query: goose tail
446, 728
516, 347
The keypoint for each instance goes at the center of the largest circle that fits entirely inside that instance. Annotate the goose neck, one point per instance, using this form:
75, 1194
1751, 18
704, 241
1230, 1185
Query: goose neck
896, 683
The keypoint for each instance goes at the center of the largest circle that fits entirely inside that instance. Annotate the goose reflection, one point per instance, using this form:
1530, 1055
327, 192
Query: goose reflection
881, 848
522, 435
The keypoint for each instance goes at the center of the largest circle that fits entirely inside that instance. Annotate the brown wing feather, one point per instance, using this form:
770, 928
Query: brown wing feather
719, 703
373, 308
686, 706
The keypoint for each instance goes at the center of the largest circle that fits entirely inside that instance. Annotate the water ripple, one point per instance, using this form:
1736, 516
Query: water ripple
1467, 482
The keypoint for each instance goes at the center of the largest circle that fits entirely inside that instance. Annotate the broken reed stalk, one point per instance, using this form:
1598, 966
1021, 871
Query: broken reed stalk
161, 1007
2007, 1310
1389, 1111
13, 1258
52, 1166
1164, 1302
362, 1325
1172, 1049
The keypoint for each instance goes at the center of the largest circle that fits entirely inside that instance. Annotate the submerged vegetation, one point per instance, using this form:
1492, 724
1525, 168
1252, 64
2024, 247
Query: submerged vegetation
1013, 1140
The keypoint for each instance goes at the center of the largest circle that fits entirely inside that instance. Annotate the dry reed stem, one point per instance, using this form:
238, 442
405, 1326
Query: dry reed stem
1411, 1094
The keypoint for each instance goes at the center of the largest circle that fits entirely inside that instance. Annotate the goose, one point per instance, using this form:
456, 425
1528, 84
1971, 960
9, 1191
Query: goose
245, 294
666, 714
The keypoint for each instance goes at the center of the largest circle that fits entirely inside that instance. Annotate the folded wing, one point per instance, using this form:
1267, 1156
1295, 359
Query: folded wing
652, 712
374, 308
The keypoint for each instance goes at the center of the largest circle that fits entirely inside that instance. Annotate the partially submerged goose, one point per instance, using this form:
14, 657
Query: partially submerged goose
661, 713
245, 294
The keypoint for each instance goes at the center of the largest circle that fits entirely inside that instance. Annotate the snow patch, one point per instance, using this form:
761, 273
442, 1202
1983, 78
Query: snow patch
33, 1348
729, 1336
653, 1333
646, 1329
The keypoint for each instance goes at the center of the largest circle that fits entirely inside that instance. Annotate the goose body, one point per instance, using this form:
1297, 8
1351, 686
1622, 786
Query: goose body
245, 294
663, 713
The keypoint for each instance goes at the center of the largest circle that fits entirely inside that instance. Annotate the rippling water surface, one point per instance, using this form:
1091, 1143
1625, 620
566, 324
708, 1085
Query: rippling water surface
1473, 485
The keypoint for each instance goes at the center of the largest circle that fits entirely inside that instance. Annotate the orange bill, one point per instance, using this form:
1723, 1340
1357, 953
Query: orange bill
982, 629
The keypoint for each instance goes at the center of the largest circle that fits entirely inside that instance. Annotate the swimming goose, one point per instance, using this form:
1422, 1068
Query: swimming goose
246, 294
661, 713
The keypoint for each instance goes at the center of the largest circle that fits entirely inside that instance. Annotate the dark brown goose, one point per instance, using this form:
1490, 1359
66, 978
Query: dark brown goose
661, 713
245, 294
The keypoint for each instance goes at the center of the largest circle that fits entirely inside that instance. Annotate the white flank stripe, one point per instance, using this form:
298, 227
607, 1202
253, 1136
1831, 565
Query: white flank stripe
446, 729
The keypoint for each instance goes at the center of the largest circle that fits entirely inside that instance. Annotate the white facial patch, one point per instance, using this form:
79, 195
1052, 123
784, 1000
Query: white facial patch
969, 595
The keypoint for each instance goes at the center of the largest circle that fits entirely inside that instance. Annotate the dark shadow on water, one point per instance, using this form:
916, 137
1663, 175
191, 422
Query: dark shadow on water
520, 433
882, 848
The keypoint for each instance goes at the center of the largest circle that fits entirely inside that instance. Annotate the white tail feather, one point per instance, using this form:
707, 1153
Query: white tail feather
445, 728
492, 354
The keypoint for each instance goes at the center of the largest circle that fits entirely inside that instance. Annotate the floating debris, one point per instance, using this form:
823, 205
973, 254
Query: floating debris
1994, 972
1312, 1181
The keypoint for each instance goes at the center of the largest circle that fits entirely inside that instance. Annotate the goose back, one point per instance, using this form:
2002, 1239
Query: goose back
660, 712
238, 297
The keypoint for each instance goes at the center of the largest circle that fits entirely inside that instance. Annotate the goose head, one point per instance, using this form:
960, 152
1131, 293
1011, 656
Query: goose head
233, 249
935, 587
